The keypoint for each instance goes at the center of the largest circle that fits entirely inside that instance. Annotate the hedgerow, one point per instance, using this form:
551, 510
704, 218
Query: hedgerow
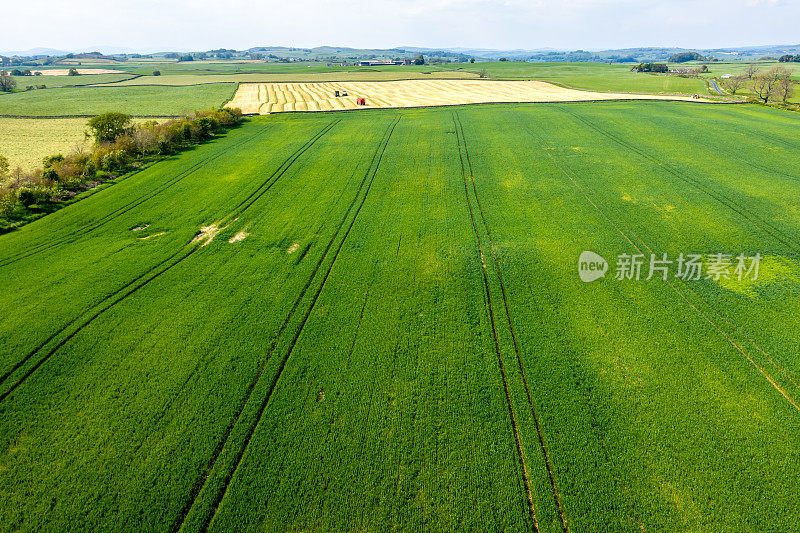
120, 149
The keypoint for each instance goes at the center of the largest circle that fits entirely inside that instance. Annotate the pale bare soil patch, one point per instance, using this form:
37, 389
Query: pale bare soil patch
265, 98
242, 235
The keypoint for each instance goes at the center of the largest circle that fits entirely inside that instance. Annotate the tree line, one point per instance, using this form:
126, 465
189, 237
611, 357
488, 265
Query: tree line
773, 85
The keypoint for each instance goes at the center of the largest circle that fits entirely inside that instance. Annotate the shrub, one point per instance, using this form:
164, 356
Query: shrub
8, 201
48, 161
50, 174
115, 161
26, 196
156, 73
7, 83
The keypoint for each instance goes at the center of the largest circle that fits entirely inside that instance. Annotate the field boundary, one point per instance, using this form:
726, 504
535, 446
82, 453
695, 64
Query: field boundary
82, 116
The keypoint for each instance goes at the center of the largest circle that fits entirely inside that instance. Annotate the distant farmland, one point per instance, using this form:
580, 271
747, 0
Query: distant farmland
374, 321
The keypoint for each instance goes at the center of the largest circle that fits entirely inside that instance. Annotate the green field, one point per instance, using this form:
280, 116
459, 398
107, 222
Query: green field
388, 330
364, 74
131, 100
68, 81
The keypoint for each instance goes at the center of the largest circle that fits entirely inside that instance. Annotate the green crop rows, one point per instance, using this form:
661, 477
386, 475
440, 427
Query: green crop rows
382, 327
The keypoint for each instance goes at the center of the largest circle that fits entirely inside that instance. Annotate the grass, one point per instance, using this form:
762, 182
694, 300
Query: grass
594, 76
26, 141
403, 329
68, 81
349, 75
131, 100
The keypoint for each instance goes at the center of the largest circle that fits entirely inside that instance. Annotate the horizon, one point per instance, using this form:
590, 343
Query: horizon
488, 24
122, 50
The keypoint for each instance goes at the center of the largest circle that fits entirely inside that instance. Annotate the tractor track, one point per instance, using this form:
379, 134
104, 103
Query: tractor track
515, 341
80, 232
501, 364
266, 185
762, 225
790, 244
26, 375
187, 250
705, 316
353, 208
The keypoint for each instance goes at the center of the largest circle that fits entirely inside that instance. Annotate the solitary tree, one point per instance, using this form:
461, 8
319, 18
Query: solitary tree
751, 71
73, 72
7, 83
471, 59
785, 88
419, 60
109, 126
733, 84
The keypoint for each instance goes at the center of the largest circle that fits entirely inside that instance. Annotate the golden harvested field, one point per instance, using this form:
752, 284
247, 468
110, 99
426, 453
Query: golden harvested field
264, 98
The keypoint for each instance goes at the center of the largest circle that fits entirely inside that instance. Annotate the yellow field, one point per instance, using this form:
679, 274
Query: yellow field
264, 98
81, 71
26, 141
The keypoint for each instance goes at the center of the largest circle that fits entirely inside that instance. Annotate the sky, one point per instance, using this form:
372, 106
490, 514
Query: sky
157, 25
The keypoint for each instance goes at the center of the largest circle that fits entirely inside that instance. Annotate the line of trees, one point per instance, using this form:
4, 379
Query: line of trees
119, 146
651, 67
774, 85
683, 57
789, 59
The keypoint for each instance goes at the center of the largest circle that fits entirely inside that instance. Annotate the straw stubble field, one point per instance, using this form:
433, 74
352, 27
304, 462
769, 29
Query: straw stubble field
265, 98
